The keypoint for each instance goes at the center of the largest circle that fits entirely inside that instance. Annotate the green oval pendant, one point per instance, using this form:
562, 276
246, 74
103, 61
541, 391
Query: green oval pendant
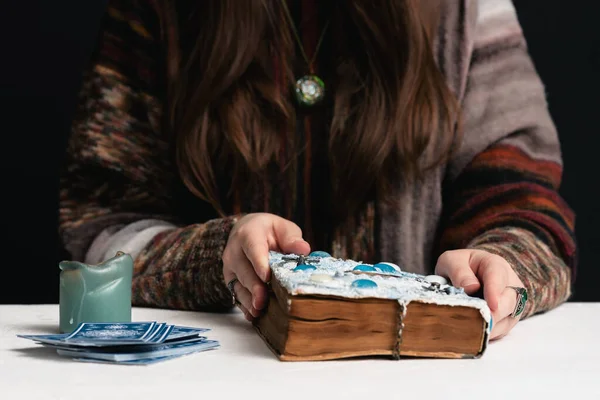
310, 90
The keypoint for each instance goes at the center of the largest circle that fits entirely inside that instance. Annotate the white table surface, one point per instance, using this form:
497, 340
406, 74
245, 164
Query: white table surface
551, 356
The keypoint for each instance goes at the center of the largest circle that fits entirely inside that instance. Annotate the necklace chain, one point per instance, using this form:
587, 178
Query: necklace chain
297, 36
309, 89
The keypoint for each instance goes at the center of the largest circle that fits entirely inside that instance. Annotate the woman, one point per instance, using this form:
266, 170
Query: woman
203, 139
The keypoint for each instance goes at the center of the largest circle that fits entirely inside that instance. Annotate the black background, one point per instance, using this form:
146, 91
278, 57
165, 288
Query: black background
44, 45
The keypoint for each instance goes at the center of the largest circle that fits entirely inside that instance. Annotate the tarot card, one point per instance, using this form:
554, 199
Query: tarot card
142, 361
161, 334
133, 332
130, 348
138, 354
156, 329
180, 332
186, 339
46, 339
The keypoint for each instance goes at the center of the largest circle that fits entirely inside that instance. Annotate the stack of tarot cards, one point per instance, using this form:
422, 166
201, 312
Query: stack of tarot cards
133, 343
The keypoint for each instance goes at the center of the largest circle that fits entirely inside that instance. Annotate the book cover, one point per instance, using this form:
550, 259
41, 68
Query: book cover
322, 308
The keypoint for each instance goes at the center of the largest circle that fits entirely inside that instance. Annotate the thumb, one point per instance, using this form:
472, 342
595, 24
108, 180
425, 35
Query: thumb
456, 266
289, 237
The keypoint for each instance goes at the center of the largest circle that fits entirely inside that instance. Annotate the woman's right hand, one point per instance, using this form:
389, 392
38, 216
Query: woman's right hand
246, 256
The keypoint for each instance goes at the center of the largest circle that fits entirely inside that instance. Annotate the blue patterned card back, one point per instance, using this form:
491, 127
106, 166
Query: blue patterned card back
132, 348
180, 332
142, 361
164, 350
112, 332
161, 335
120, 334
47, 339
156, 329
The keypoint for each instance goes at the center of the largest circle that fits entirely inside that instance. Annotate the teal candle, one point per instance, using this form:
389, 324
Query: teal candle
95, 293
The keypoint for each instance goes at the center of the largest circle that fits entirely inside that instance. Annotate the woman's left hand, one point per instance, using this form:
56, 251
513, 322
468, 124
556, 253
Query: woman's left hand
472, 269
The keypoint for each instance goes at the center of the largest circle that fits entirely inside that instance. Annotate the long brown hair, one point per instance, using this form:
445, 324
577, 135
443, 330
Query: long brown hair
391, 102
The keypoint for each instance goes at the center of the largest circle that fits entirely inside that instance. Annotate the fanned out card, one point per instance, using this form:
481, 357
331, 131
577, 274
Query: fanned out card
129, 343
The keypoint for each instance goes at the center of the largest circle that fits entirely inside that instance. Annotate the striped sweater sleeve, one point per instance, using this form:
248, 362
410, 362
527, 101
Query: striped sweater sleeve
501, 193
116, 189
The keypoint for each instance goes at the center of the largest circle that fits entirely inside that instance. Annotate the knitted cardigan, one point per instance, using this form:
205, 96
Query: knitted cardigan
499, 192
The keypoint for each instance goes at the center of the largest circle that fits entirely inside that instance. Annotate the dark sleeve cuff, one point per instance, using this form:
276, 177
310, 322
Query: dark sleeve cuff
183, 268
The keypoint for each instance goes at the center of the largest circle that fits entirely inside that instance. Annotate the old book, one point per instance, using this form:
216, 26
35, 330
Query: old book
323, 308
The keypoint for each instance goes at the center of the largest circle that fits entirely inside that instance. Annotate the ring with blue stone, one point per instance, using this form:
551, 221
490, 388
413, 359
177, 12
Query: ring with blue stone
522, 297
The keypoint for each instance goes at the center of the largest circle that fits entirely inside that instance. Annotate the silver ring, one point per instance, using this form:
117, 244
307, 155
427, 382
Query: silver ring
231, 287
522, 297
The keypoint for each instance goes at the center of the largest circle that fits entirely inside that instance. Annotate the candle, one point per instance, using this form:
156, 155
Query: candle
95, 293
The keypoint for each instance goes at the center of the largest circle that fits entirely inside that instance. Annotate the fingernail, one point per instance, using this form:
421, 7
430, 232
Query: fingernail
264, 276
263, 269
468, 282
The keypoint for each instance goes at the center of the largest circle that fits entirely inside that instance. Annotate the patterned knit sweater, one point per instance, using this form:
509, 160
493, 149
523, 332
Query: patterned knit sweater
121, 191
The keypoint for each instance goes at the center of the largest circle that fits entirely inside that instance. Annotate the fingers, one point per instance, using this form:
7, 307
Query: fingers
257, 292
253, 292
256, 244
472, 269
491, 270
246, 256
507, 303
250, 291
256, 249
455, 265
501, 329
244, 297
247, 315
467, 269
289, 237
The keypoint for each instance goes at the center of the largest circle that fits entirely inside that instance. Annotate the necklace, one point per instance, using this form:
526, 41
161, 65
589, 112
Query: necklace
309, 89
